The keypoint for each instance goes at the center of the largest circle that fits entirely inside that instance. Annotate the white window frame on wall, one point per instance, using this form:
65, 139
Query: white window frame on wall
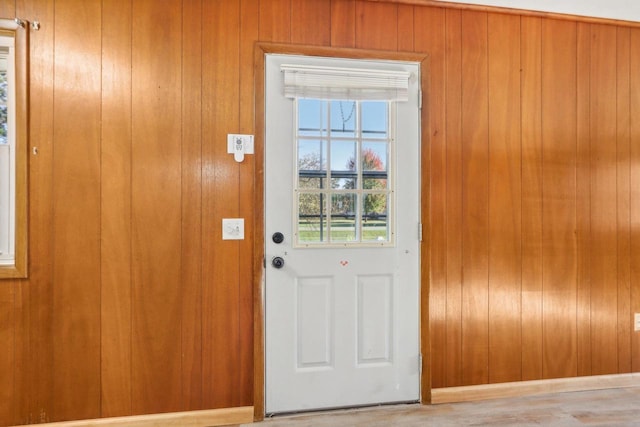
8, 159
14, 36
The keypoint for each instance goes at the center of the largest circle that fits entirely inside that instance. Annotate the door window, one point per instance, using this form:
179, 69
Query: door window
343, 184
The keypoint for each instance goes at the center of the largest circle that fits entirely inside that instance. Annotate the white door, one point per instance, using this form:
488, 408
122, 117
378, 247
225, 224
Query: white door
342, 287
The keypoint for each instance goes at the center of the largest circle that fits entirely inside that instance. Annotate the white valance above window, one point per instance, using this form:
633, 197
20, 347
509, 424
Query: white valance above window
302, 81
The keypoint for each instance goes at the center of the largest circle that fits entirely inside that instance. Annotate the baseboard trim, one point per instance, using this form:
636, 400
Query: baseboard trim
212, 417
529, 388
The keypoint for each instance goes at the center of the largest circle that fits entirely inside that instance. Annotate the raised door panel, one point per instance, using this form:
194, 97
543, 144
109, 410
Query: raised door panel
375, 314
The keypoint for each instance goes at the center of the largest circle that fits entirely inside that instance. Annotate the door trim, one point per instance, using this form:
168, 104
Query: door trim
261, 49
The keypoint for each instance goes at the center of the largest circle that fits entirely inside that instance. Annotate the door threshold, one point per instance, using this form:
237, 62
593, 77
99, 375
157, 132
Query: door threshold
364, 407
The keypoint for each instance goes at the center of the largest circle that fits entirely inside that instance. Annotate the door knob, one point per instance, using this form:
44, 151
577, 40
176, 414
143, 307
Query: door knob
277, 237
277, 262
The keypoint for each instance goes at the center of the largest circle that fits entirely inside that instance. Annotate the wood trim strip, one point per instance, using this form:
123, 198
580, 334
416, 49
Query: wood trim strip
530, 388
258, 237
510, 11
213, 417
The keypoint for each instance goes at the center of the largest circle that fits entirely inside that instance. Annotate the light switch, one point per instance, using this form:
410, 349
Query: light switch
233, 229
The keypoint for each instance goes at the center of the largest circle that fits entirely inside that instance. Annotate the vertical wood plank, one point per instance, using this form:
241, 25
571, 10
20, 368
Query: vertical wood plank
625, 318
34, 298
7, 356
343, 23
429, 37
634, 175
475, 220
275, 20
454, 201
311, 22
192, 205
531, 122
20, 399
8, 8
505, 258
156, 207
603, 261
76, 177
248, 36
406, 28
220, 199
76, 216
583, 201
370, 18
116, 209
559, 192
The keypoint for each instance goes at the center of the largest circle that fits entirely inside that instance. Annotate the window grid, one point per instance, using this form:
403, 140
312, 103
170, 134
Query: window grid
327, 176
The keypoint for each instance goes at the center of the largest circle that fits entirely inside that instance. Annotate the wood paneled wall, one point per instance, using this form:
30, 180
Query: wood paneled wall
135, 305
534, 225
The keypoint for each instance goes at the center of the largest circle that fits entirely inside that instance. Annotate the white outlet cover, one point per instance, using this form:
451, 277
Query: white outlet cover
247, 141
233, 229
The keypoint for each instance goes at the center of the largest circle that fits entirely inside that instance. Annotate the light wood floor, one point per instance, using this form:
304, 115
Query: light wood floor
612, 407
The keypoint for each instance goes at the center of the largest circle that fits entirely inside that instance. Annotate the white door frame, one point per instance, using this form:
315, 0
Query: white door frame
261, 50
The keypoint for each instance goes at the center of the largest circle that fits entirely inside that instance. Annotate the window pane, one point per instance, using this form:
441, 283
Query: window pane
375, 226
343, 213
312, 218
375, 123
344, 183
374, 165
343, 156
312, 164
343, 118
312, 117
4, 91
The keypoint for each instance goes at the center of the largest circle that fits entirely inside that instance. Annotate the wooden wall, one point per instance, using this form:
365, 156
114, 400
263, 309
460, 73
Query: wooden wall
534, 198
135, 305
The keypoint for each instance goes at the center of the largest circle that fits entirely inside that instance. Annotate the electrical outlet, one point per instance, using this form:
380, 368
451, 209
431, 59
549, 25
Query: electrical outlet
636, 322
232, 228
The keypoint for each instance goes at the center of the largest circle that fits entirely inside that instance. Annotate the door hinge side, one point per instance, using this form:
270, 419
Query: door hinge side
420, 364
420, 231
420, 99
